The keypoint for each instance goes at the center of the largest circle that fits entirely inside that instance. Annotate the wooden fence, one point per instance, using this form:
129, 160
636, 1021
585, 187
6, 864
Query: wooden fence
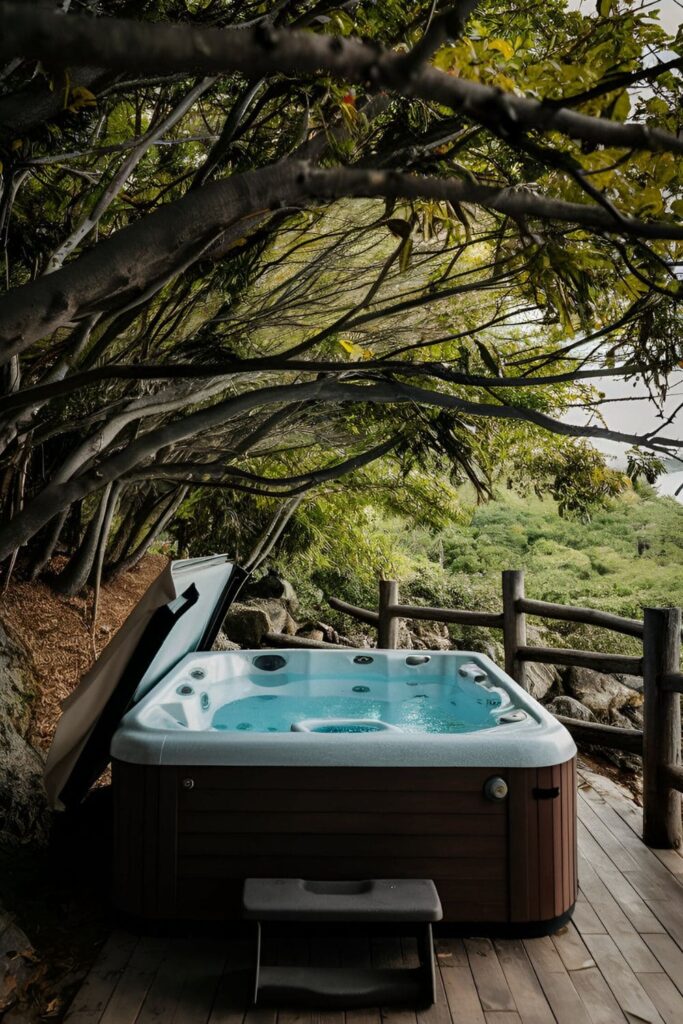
659, 742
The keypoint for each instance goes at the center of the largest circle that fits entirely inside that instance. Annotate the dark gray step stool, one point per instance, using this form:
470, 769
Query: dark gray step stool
411, 903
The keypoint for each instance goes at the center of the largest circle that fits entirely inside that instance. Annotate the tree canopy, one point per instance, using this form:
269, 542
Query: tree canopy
251, 249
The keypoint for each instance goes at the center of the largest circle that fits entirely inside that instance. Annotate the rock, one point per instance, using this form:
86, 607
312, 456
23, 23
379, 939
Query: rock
541, 679
221, 643
494, 650
272, 585
604, 695
245, 625
405, 640
20, 972
311, 634
357, 639
632, 682
570, 708
319, 631
429, 636
278, 614
629, 718
24, 815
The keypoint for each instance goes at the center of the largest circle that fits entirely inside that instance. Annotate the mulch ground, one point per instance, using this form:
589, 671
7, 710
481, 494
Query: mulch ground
55, 630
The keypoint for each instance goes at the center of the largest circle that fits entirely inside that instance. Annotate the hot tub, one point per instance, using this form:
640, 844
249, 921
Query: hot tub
323, 765
346, 765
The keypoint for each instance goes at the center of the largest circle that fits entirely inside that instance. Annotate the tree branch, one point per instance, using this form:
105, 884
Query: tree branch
264, 50
30, 397
126, 265
56, 497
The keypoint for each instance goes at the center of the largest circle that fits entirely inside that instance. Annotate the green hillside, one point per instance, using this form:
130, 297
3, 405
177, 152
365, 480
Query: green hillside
595, 562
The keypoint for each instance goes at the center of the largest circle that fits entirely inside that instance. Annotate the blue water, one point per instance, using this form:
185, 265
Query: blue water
419, 712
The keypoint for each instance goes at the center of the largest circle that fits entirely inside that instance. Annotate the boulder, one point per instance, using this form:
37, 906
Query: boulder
309, 633
245, 625
319, 631
570, 708
269, 586
19, 972
632, 682
278, 614
604, 695
429, 636
24, 815
221, 643
405, 639
541, 679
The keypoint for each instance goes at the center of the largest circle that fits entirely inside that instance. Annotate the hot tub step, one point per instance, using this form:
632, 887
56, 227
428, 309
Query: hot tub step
373, 899
409, 903
342, 987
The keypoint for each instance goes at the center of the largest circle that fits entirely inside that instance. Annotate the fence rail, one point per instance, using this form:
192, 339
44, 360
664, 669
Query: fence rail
659, 742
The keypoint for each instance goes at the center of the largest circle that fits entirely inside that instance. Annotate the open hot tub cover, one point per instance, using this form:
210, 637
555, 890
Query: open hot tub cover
180, 612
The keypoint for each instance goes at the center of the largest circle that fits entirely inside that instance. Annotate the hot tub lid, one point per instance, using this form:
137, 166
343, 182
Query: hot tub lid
180, 612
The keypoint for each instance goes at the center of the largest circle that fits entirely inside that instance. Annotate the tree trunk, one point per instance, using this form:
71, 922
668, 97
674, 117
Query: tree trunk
75, 575
47, 550
101, 548
126, 564
133, 521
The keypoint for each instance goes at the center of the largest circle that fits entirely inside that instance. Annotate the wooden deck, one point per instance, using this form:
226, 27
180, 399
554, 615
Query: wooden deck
620, 961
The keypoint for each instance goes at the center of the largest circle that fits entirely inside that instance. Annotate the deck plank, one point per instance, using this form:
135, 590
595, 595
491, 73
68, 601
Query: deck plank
135, 981
597, 997
558, 987
205, 969
234, 990
665, 996
532, 1005
458, 982
572, 949
164, 993
669, 955
489, 977
626, 988
585, 919
97, 989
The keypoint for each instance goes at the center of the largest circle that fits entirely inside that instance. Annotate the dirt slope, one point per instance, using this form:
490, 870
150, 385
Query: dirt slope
55, 631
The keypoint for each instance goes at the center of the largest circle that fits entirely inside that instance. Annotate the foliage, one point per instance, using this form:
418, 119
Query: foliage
354, 308
628, 555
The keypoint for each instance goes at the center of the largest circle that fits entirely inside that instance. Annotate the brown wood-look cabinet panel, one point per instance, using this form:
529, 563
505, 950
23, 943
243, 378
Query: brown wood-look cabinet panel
358, 845
187, 836
389, 780
348, 823
542, 838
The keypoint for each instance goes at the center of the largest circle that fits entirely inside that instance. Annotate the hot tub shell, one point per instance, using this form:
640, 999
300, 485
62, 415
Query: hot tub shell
197, 810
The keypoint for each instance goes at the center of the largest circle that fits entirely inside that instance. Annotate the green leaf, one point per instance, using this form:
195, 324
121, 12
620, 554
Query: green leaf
487, 357
406, 253
502, 46
399, 228
622, 107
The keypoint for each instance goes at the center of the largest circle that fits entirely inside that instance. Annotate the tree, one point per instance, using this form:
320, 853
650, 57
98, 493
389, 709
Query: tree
243, 244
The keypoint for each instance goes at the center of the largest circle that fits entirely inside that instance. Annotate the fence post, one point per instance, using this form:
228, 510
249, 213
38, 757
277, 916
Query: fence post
387, 627
661, 727
514, 624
